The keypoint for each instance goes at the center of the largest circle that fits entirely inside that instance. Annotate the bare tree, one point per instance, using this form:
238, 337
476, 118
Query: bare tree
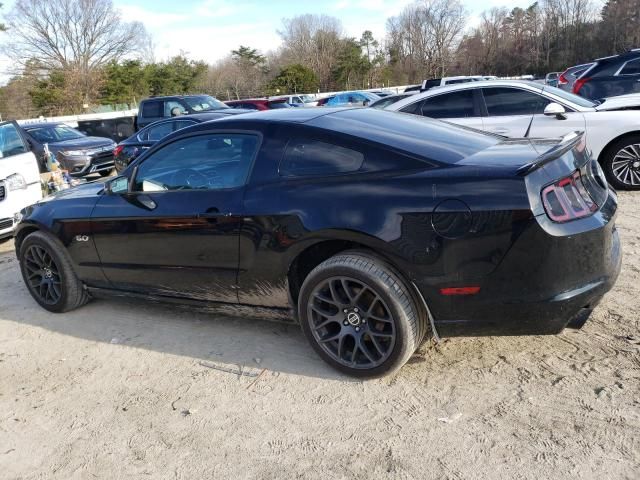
425, 34
313, 41
76, 37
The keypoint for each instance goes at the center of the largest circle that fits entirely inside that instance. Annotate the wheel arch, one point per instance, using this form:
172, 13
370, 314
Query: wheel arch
23, 233
606, 148
313, 255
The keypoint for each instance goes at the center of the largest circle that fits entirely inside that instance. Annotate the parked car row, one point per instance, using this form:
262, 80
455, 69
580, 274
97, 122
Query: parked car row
527, 109
605, 77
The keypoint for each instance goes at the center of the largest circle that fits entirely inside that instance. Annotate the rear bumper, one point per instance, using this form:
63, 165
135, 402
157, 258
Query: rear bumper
544, 284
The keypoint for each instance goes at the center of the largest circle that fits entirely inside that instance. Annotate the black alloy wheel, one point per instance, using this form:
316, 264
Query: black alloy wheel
351, 322
360, 316
48, 272
42, 275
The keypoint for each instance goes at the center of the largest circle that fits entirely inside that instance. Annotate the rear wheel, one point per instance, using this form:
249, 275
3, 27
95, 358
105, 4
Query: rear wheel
621, 163
48, 273
360, 316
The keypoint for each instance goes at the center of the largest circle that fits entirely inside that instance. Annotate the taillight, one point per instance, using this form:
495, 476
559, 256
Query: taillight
568, 199
579, 84
117, 150
562, 80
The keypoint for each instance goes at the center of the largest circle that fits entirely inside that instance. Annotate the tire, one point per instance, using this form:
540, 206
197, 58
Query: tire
65, 291
621, 163
106, 173
360, 316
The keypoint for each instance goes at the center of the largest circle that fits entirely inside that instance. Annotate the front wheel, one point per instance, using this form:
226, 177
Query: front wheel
621, 163
48, 274
106, 173
360, 316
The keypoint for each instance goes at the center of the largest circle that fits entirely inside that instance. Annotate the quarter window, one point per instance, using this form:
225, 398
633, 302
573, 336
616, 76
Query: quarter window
632, 67
313, 157
160, 131
512, 101
203, 162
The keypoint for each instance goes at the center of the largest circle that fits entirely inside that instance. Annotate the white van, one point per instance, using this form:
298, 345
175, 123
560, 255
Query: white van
19, 177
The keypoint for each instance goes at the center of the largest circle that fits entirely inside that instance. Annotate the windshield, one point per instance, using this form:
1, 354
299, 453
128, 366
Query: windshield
570, 97
53, 134
203, 103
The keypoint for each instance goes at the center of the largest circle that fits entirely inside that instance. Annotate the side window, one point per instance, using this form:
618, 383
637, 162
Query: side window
159, 131
180, 124
11, 142
632, 67
152, 108
173, 108
204, 162
512, 101
450, 105
296, 100
305, 157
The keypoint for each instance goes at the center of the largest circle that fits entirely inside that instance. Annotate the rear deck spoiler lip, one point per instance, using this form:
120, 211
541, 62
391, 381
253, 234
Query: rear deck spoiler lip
568, 142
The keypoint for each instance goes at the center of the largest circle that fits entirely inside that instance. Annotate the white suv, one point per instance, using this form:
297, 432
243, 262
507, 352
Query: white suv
19, 177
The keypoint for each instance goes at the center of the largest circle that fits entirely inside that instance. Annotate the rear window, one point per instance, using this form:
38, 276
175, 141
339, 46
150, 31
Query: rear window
424, 138
314, 157
152, 108
632, 67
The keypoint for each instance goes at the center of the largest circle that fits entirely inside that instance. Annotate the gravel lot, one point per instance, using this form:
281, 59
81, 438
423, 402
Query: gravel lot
121, 390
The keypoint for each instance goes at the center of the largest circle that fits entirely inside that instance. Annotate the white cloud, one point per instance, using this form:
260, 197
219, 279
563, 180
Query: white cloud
151, 19
211, 43
218, 8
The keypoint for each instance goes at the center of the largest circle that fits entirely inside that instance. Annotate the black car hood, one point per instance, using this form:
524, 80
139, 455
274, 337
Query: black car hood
85, 190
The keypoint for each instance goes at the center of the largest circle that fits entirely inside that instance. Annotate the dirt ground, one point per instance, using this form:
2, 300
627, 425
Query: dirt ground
120, 390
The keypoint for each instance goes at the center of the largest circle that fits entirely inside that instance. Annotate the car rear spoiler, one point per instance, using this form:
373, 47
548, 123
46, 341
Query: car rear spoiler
568, 142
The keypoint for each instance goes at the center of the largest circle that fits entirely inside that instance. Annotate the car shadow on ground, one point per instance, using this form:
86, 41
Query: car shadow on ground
242, 345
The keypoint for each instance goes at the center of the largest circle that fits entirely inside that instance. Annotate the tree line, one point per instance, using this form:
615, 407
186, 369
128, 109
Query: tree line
73, 55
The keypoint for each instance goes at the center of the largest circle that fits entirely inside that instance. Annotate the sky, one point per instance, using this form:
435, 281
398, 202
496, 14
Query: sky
209, 29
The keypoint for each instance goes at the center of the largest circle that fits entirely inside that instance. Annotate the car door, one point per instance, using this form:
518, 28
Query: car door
174, 231
510, 110
459, 107
544, 126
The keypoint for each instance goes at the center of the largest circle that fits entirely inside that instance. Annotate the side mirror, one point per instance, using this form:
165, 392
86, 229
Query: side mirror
555, 110
118, 185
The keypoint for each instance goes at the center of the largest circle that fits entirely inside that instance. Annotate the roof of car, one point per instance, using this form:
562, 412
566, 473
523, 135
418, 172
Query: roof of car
248, 100
164, 97
32, 126
413, 134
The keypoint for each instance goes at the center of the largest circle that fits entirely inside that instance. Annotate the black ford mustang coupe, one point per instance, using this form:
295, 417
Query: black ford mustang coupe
369, 228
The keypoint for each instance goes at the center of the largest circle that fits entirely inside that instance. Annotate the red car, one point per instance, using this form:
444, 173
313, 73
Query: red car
257, 104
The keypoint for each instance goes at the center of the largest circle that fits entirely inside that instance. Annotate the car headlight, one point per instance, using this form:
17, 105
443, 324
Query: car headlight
74, 153
15, 182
